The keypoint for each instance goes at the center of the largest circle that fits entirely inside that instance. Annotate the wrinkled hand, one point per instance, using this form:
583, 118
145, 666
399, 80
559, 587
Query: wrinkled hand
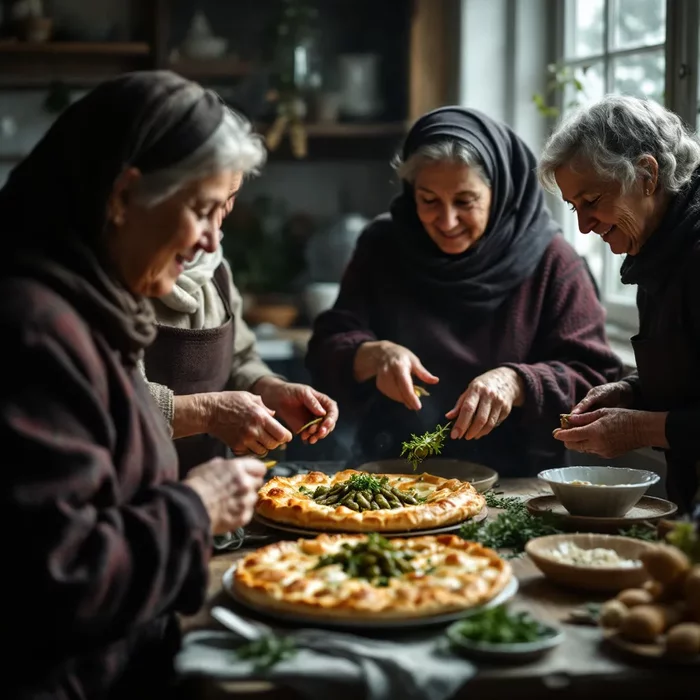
393, 367
228, 489
486, 403
613, 395
297, 404
607, 432
242, 421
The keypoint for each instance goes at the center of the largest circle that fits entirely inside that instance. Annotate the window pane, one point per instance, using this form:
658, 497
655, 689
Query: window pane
584, 28
638, 23
615, 290
592, 81
641, 75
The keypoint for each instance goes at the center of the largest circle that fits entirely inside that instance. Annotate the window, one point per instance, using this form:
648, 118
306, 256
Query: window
621, 46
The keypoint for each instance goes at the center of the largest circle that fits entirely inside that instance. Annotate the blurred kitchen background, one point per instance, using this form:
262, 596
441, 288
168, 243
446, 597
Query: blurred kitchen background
334, 85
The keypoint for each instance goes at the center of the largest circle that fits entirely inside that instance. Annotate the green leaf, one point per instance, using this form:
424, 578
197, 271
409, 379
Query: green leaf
429, 444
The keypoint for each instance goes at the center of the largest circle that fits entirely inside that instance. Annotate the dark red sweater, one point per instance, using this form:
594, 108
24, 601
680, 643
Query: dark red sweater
551, 331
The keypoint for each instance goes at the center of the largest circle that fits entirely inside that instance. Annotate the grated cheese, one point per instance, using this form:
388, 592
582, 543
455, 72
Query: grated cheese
569, 553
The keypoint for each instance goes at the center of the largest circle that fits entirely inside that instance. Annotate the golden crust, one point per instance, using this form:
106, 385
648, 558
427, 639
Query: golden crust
448, 501
281, 577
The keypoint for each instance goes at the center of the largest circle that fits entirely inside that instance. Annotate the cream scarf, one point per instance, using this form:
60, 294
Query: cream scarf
188, 294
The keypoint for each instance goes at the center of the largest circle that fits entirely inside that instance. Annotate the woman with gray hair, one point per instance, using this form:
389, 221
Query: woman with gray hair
203, 368
109, 544
630, 169
469, 283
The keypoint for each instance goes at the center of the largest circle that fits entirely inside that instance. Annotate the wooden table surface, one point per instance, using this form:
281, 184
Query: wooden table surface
581, 667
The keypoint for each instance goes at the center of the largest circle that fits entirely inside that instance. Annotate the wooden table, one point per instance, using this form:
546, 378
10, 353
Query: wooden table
579, 668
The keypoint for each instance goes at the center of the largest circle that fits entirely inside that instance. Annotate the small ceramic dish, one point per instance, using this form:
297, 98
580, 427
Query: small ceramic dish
590, 578
521, 652
602, 492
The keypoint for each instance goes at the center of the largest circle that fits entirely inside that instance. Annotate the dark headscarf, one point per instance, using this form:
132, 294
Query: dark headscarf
662, 255
519, 229
53, 207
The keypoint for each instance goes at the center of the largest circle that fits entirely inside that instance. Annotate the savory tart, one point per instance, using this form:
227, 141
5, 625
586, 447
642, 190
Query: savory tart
367, 576
352, 501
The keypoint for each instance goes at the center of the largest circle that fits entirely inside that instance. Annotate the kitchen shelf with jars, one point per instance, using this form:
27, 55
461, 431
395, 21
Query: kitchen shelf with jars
319, 79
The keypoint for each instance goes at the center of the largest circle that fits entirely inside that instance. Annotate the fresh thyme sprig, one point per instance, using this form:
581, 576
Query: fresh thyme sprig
267, 651
420, 447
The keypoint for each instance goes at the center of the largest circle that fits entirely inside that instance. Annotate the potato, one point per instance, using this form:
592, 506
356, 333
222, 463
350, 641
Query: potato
612, 614
645, 623
655, 589
665, 563
564, 420
631, 597
683, 639
691, 587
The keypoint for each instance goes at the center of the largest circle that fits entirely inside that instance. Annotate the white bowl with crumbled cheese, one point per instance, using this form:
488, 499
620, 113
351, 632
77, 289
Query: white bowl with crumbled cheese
589, 561
598, 492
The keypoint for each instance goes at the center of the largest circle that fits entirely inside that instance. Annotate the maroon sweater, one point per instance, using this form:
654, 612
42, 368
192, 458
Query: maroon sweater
550, 331
101, 543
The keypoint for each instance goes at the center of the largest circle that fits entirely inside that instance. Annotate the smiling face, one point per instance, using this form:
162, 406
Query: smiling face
624, 220
150, 245
453, 204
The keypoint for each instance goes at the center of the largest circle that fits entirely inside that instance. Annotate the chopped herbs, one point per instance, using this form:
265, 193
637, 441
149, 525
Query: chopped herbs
493, 500
498, 626
511, 529
374, 559
641, 532
267, 651
421, 447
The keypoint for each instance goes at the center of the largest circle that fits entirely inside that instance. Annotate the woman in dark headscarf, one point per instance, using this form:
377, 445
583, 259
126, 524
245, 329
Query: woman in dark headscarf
466, 286
103, 544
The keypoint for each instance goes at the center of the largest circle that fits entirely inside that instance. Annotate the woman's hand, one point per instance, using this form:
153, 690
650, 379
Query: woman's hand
486, 403
243, 421
297, 405
613, 395
394, 367
611, 432
228, 489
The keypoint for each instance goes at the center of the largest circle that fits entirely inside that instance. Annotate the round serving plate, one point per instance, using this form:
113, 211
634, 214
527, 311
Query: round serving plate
307, 532
649, 510
510, 589
480, 477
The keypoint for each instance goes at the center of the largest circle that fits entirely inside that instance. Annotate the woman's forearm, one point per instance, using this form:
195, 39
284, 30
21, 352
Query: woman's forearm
190, 415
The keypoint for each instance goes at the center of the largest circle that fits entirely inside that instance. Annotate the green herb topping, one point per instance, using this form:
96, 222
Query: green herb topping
374, 559
363, 492
267, 651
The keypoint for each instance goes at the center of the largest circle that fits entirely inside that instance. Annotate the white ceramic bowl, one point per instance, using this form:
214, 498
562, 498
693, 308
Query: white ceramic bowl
611, 493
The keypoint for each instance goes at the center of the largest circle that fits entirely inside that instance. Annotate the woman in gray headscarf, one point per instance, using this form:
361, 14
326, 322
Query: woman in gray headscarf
204, 371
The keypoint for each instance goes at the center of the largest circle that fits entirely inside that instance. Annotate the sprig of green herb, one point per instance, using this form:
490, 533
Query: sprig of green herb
367, 482
493, 500
267, 651
498, 626
511, 529
420, 447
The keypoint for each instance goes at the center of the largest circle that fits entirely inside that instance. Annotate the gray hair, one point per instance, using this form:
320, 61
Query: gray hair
448, 150
614, 134
232, 146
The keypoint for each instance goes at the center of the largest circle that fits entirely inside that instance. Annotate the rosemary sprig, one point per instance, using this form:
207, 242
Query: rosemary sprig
494, 500
419, 447
267, 651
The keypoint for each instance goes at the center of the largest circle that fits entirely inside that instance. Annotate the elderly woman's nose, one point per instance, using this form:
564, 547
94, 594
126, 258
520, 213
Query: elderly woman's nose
448, 218
210, 239
585, 222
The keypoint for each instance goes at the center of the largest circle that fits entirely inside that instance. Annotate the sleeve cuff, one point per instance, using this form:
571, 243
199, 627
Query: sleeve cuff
165, 399
681, 427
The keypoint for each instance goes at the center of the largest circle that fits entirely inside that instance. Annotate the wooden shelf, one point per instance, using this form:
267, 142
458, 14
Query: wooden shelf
340, 130
225, 67
75, 48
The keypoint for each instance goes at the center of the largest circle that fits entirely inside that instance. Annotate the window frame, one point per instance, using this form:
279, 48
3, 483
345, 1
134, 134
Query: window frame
680, 95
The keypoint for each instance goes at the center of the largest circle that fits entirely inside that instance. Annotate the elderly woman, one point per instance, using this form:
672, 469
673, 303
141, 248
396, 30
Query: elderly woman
204, 371
466, 286
103, 543
630, 170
